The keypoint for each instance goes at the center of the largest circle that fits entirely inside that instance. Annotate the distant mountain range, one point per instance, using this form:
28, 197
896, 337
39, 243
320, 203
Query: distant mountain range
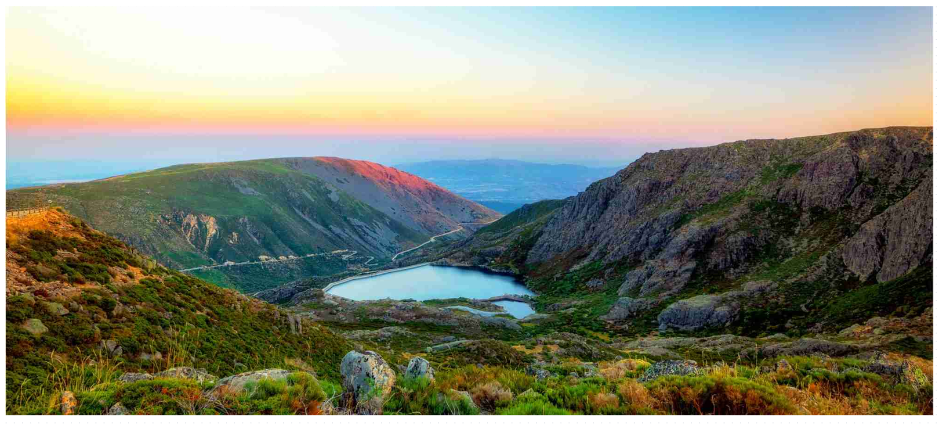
246, 212
505, 185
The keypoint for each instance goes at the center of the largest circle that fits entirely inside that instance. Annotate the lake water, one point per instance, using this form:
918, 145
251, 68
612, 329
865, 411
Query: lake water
437, 282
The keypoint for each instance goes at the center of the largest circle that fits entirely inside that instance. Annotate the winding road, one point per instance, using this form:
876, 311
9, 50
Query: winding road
349, 253
432, 239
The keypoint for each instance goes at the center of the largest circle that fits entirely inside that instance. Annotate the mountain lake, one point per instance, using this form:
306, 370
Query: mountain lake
437, 282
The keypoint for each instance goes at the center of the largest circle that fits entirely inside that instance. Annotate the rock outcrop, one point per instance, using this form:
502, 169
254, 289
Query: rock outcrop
896, 241
702, 311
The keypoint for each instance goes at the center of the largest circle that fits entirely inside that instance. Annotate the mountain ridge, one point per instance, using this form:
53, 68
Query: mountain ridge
212, 213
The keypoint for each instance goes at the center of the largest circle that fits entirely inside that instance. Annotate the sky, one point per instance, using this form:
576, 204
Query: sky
596, 86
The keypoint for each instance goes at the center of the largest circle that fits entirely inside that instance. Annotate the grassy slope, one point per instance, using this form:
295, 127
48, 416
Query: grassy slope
190, 322
138, 208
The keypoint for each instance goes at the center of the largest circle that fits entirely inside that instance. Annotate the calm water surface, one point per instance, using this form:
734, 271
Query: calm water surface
437, 282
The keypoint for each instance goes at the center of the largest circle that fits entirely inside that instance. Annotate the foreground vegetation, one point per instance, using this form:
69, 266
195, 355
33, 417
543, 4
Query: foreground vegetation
791, 385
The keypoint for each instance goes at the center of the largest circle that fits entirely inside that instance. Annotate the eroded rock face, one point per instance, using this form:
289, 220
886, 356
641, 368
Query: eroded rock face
236, 383
367, 381
896, 241
701, 311
419, 368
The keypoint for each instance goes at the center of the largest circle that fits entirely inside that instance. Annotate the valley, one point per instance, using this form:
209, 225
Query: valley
777, 276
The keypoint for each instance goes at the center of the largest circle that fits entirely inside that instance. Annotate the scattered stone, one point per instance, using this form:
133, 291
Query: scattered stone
236, 383
538, 372
671, 367
419, 368
367, 381
35, 327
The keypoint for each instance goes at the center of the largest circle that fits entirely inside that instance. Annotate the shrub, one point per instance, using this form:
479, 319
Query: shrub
713, 394
491, 395
533, 408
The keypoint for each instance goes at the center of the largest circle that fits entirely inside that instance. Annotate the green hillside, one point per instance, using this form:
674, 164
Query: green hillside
202, 214
88, 308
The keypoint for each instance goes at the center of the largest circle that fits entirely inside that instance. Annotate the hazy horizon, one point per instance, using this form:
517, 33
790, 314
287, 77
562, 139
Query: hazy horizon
593, 86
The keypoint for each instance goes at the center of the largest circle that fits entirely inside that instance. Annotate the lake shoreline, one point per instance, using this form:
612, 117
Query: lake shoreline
514, 292
373, 274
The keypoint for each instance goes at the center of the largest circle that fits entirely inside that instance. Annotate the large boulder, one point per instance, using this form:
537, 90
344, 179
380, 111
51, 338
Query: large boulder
419, 368
367, 381
236, 383
699, 312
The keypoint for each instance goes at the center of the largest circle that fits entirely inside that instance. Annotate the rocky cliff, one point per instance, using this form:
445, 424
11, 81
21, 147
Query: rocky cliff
682, 236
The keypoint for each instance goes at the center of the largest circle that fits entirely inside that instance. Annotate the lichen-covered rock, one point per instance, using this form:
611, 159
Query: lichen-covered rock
187, 372
236, 383
699, 312
35, 326
896, 241
68, 404
419, 368
56, 308
130, 377
367, 381
670, 367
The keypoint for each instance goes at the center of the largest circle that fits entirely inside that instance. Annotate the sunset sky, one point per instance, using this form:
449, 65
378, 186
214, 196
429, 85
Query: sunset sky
585, 86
